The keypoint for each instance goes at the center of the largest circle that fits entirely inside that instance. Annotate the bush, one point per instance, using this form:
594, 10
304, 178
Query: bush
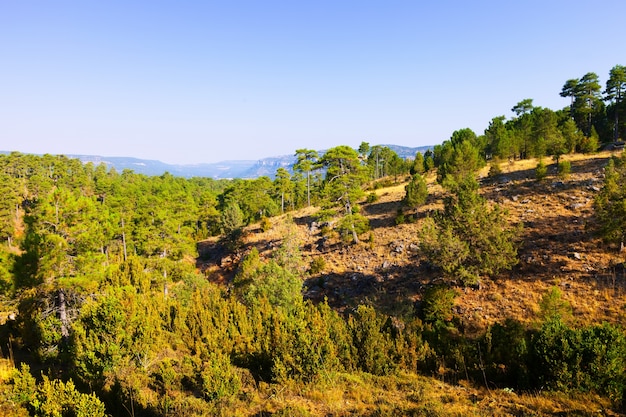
541, 171
353, 222
219, 379
468, 238
317, 265
266, 224
564, 169
372, 198
495, 168
416, 191
371, 343
437, 304
400, 218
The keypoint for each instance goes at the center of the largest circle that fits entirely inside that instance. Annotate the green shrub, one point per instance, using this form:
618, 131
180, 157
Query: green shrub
541, 171
219, 378
400, 217
564, 169
353, 222
416, 191
494, 168
266, 224
56, 398
372, 198
468, 238
437, 304
373, 346
317, 265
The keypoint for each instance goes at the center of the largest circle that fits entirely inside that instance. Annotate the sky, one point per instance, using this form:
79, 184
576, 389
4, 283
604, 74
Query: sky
189, 82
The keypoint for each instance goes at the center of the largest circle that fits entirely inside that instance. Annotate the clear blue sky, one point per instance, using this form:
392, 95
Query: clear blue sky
206, 81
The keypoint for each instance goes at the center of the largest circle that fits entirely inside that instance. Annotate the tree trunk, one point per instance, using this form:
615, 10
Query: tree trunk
355, 236
65, 325
308, 188
124, 239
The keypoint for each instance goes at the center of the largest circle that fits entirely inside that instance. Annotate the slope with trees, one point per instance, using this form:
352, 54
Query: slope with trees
100, 269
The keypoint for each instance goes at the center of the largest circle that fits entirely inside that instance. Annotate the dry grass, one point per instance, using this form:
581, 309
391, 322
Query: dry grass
403, 394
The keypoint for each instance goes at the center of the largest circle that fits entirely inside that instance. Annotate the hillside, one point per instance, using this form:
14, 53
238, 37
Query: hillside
560, 248
152, 336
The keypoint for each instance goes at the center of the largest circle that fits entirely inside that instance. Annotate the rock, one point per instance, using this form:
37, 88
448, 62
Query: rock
414, 248
576, 256
397, 247
227, 260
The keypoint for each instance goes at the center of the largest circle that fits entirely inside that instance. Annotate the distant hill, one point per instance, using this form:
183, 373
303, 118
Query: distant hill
217, 170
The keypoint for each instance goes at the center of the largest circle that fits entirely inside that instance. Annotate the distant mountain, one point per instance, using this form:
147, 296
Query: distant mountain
224, 169
217, 170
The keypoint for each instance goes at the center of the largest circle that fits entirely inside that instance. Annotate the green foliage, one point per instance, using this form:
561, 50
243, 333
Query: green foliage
56, 398
372, 198
24, 385
506, 350
610, 203
416, 191
468, 238
266, 224
345, 177
589, 144
384, 162
564, 168
256, 280
317, 265
400, 217
437, 304
351, 225
553, 307
418, 164
232, 218
495, 169
119, 330
457, 158
541, 171
53, 398
288, 254
372, 344
429, 162
219, 378
306, 160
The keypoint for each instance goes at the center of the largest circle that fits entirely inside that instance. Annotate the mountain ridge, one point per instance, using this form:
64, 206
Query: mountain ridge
245, 169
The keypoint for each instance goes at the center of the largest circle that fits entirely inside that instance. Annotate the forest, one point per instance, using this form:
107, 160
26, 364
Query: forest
105, 309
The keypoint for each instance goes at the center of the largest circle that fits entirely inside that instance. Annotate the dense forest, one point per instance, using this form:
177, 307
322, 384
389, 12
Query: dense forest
107, 313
